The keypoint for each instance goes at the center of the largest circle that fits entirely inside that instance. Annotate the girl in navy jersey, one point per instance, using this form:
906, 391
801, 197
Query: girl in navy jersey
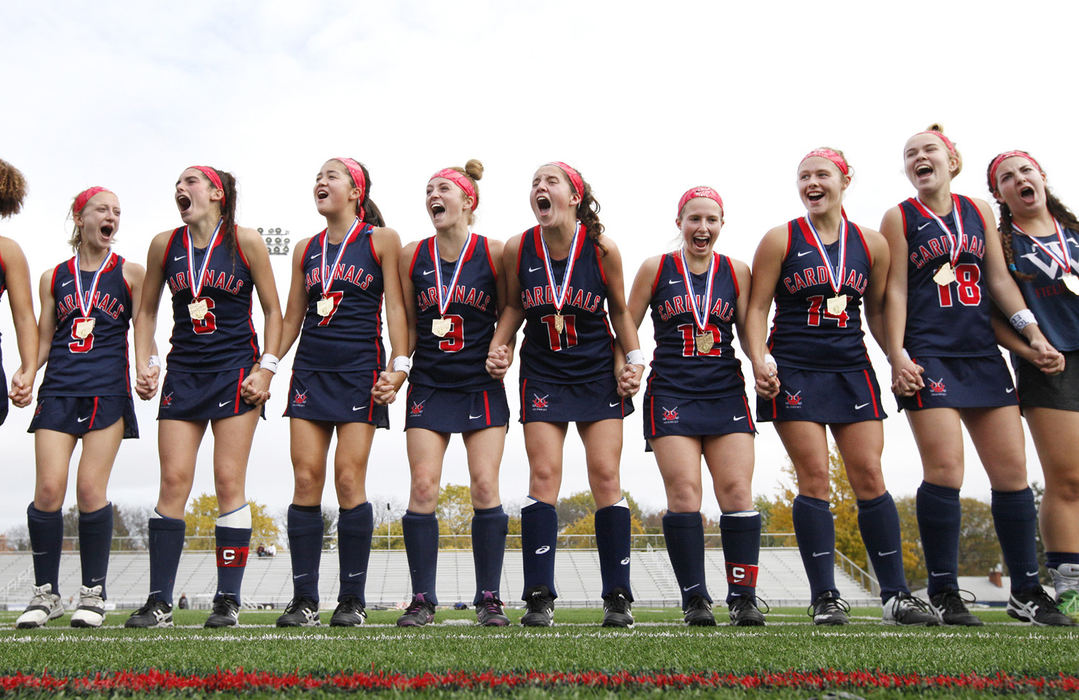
339, 280
565, 278
1040, 238
451, 283
215, 377
695, 406
819, 269
15, 279
87, 303
947, 371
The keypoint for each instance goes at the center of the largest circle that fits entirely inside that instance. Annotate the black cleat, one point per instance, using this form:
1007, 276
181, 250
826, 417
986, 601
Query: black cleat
301, 612
1036, 607
905, 609
418, 613
349, 613
226, 613
829, 609
616, 609
698, 612
540, 605
745, 613
156, 613
489, 611
951, 609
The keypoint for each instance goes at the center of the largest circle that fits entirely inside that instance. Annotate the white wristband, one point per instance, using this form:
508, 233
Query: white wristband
269, 362
155, 361
636, 357
402, 364
769, 360
1022, 318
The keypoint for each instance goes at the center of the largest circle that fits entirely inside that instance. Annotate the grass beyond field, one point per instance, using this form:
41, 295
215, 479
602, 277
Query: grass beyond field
789, 656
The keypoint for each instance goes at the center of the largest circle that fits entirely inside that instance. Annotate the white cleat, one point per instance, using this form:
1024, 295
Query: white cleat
91, 610
44, 606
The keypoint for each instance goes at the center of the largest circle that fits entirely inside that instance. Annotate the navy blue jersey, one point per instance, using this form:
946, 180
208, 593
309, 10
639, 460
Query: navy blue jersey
350, 337
1056, 308
224, 338
679, 368
804, 333
583, 351
3, 288
96, 365
950, 320
455, 360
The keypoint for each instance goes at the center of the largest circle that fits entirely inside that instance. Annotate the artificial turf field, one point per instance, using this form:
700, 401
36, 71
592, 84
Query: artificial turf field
787, 658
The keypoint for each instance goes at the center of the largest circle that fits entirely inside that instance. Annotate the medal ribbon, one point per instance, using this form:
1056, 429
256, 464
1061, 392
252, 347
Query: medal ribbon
1066, 262
835, 281
327, 277
444, 301
955, 244
700, 319
196, 285
89, 305
560, 293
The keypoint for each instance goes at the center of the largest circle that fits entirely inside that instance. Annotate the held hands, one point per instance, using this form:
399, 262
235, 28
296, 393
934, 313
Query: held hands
629, 379
498, 361
1046, 358
22, 388
766, 379
907, 377
387, 386
146, 382
256, 388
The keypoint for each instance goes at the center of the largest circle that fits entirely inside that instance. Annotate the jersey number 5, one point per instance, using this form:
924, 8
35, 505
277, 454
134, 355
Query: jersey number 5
208, 323
80, 345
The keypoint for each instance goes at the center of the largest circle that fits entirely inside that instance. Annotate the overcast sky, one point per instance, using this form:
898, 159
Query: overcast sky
645, 99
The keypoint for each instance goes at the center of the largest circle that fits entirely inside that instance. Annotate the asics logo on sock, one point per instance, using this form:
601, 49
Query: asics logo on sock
544, 549
625, 562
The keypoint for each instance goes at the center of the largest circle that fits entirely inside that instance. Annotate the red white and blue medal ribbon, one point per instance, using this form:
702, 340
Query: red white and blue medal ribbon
441, 326
559, 293
324, 306
945, 275
84, 325
1068, 277
704, 338
838, 303
198, 308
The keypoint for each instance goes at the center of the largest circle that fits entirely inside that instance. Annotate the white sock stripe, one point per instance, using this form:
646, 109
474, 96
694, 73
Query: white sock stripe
741, 514
239, 518
621, 504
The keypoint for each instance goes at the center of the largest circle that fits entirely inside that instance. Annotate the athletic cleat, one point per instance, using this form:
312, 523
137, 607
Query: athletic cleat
1066, 582
44, 606
300, 612
745, 613
1036, 607
156, 613
698, 612
829, 609
418, 613
489, 611
540, 605
951, 609
905, 609
349, 613
91, 610
226, 613
616, 609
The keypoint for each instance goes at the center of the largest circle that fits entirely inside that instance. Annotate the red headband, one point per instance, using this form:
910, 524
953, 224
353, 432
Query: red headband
214, 178
1001, 158
462, 181
828, 154
703, 192
82, 198
574, 177
356, 172
947, 141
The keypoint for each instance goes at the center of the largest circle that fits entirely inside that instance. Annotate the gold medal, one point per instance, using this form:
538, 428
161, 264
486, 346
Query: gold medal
837, 304
559, 323
705, 341
324, 307
945, 275
441, 326
197, 310
83, 328
1071, 282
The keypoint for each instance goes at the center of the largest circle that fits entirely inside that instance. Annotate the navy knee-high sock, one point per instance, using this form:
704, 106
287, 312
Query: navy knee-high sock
815, 531
878, 521
1016, 521
421, 546
354, 529
741, 535
684, 534
46, 542
233, 544
939, 519
166, 541
489, 528
95, 541
539, 535
305, 549
612, 541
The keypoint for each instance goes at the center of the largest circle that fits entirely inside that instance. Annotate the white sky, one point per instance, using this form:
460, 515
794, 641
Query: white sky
646, 99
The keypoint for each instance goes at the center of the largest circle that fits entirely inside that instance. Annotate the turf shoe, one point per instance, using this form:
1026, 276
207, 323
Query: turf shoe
226, 613
905, 609
155, 613
745, 613
489, 611
348, 613
300, 612
951, 609
44, 606
418, 613
1068, 603
829, 609
616, 609
698, 612
91, 610
539, 606
1036, 607
1066, 582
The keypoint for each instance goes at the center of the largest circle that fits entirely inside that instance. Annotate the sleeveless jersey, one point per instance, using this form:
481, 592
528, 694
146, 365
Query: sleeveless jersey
350, 337
3, 288
224, 338
804, 334
583, 351
952, 320
1056, 309
678, 366
98, 364
456, 360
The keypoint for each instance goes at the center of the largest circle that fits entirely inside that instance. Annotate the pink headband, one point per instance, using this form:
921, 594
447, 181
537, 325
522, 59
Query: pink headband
939, 134
462, 181
828, 154
1001, 158
356, 172
703, 192
82, 198
214, 178
574, 176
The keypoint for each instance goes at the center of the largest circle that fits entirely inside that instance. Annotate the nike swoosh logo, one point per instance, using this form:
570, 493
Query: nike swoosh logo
64, 284
691, 587
179, 258
83, 420
361, 573
359, 408
472, 417
939, 574
427, 272
534, 269
884, 554
1008, 391
298, 576
616, 403
804, 253
673, 281
1032, 573
738, 418
38, 554
316, 255
923, 225
95, 580
222, 405
860, 406
820, 554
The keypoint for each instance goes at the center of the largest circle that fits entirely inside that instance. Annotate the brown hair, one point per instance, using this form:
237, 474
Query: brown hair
12, 189
473, 170
936, 128
371, 214
588, 213
1057, 210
